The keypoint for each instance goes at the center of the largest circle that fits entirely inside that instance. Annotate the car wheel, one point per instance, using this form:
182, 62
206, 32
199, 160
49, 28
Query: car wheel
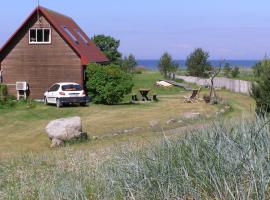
45, 101
58, 103
83, 104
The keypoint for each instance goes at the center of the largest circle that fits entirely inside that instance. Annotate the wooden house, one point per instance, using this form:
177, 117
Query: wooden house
47, 48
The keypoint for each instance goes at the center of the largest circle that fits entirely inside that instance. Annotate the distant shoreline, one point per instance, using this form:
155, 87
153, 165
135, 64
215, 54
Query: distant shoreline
152, 64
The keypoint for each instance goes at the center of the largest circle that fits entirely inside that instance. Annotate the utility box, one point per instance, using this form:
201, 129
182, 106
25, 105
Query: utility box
22, 89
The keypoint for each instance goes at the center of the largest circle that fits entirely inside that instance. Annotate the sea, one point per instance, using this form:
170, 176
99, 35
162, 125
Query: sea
152, 64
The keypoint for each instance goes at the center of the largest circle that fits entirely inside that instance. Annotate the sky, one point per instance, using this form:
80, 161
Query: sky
227, 29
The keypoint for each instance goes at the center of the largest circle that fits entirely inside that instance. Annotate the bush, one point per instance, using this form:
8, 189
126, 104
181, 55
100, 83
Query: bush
235, 72
227, 69
139, 70
107, 84
3, 91
261, 87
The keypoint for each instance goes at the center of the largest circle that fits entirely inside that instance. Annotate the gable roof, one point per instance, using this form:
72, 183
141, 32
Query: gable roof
83, 46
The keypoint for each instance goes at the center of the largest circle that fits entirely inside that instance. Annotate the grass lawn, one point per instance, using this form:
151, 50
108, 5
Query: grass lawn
22, 127
148, 80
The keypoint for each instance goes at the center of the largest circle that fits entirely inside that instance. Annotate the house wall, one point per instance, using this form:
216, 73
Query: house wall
41, 65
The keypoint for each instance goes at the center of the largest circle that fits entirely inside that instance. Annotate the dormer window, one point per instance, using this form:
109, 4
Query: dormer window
40, 36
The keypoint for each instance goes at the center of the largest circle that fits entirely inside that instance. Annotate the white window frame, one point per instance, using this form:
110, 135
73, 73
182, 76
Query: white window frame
50, 36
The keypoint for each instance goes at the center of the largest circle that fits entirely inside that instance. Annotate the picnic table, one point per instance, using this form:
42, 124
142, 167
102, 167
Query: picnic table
144, 92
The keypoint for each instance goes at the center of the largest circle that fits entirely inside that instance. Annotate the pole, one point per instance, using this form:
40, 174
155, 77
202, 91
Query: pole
39, 20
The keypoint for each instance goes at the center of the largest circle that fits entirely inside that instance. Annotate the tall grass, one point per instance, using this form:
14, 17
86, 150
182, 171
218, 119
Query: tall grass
222, 161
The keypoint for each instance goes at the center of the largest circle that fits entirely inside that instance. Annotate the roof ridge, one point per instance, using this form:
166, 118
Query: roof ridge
52, 11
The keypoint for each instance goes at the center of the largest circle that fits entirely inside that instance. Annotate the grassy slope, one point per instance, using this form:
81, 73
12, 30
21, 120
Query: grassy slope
22, 127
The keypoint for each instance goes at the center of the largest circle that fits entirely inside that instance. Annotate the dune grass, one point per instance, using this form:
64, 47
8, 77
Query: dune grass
226, 160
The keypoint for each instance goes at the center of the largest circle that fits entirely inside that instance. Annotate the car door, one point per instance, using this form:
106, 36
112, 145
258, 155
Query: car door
52, 93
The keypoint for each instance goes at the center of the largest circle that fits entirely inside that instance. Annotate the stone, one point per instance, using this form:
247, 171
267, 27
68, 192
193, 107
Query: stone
171, 121
94, 137
191, 115
56, 143
227, 107
135, 129
222, 111
65, 129
153, 123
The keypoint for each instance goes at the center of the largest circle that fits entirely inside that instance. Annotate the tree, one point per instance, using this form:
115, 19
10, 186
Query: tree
107, 84
197, 63
260, 90
166, 65
129, 63
227, 70
235, 72
109, 46
257, 68
213, 74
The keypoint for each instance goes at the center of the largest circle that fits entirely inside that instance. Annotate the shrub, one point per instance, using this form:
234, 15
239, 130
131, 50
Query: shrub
197, 63
206, 98
107, 84
139, 70
227, 69
261, 87
3, 91
235, 72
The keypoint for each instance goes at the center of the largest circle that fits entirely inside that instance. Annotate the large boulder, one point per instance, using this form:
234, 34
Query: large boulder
65, 129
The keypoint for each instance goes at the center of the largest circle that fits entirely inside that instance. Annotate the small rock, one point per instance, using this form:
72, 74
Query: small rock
171, 121
180, 121
227, 107
56, 143
222, 111
190, 115
133, 130
153, 123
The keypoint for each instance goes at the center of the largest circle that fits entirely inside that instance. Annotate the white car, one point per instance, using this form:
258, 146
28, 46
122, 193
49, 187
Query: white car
65, 93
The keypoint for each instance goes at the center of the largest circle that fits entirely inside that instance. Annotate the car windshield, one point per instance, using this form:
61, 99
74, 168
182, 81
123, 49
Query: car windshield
71, 87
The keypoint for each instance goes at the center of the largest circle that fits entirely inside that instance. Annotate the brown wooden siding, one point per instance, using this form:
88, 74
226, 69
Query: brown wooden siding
40, 65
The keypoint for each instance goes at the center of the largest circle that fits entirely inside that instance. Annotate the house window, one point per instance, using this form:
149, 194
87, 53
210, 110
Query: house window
70, 34
40, 36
